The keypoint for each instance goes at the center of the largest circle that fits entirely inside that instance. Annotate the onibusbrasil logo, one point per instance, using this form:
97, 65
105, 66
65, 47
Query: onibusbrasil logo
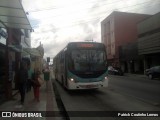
21, 114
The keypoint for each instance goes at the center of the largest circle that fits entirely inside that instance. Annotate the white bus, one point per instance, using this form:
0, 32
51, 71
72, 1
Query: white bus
82, 65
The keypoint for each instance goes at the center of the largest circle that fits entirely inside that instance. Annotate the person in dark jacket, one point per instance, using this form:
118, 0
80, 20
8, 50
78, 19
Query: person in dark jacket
22, 77
30, 77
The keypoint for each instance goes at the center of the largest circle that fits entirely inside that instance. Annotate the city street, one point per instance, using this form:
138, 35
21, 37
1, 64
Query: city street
80, 59
125, 93
141, 88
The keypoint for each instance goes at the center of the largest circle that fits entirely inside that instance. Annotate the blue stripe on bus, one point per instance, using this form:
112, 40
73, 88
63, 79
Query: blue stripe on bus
79, 79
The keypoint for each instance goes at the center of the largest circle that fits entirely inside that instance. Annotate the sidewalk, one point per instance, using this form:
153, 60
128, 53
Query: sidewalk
47, 103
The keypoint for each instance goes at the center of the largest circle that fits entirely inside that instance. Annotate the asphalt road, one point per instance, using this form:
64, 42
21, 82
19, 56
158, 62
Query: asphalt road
123, 94
140, 87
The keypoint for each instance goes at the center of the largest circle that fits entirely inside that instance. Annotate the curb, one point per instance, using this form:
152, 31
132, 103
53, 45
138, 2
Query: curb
51, 104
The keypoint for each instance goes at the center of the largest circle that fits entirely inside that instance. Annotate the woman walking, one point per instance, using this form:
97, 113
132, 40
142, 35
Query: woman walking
36, 86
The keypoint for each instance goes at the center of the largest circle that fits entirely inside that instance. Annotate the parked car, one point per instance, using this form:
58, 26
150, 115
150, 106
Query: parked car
114, 70
153, 72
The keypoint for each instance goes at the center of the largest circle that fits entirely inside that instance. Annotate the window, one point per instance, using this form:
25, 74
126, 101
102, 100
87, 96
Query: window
87, 60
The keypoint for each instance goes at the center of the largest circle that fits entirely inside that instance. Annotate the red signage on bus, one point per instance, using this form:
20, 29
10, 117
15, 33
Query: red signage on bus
85, 45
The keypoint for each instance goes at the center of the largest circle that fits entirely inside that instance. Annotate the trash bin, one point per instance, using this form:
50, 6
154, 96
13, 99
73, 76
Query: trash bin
46, 76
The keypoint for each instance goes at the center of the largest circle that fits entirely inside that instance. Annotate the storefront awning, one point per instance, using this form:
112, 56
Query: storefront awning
32, 51
24, 53
17, 48
13, 15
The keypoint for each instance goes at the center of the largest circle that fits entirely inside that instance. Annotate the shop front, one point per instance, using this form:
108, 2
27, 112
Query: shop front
13, 19
3, 37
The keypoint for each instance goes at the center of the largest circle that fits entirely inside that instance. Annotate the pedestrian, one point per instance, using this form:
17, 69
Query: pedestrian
22, 76
37, 85
30, 77
46, 74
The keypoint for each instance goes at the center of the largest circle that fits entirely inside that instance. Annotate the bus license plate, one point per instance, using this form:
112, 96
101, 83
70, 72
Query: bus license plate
91, 86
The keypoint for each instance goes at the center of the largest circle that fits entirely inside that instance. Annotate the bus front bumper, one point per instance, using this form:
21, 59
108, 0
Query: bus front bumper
88, 85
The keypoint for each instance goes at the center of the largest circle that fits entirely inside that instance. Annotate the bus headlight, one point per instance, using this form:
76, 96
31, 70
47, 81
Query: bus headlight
106, 78
71, 79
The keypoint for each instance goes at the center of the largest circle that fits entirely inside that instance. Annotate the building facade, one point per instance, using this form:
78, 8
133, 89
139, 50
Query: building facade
10, 56
3, 39
129, 59
119, 29
149, 41
12, 22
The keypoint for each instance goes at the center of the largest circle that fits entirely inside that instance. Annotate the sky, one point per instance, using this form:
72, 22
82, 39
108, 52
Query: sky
58, 22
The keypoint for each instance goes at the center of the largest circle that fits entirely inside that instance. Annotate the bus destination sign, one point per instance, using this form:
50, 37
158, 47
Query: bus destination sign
85, 45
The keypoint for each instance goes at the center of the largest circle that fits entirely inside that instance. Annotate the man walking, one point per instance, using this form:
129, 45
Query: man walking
22, 77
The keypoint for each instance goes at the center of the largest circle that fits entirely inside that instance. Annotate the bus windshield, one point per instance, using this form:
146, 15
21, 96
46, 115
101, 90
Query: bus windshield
88, 60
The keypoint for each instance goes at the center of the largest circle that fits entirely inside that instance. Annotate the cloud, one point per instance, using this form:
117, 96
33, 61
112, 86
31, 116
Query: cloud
58, 22
34, 22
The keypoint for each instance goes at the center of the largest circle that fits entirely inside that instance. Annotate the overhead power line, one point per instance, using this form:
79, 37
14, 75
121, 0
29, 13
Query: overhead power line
69, 14
76, 11
51, 8
94, 19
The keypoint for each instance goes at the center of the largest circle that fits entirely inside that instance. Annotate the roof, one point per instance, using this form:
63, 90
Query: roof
40, 49
123, 14
12, 15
